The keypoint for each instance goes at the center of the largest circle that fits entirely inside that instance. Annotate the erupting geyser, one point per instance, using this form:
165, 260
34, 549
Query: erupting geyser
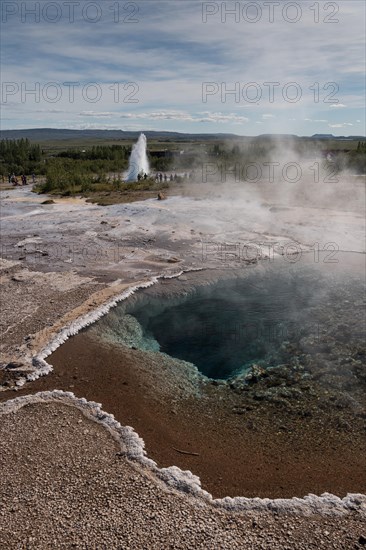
138, 164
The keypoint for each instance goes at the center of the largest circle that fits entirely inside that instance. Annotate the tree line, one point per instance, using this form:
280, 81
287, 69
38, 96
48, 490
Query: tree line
19, 157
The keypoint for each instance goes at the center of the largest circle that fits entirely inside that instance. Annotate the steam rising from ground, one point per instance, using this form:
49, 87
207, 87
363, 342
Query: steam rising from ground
281, 187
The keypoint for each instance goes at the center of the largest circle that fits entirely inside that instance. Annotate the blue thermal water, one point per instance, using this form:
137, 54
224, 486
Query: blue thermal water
226, 327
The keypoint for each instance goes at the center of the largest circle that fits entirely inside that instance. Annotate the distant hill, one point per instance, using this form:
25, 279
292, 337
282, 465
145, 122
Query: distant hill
59, 134
314, 136
330, 136
54, 134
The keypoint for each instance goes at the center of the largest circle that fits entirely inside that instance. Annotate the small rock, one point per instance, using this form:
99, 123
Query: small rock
14, 365
173, 260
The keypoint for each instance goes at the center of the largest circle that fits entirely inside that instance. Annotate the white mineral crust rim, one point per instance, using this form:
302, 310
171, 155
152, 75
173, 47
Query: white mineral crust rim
133, 448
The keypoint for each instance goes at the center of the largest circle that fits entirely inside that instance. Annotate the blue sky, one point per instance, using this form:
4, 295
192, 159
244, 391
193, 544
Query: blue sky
182, 65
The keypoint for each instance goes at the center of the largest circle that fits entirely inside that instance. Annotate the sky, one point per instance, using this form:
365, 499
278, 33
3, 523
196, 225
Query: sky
246, 68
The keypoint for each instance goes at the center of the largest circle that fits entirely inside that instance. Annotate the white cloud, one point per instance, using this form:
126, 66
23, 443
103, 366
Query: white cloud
315, 120
205, 116
96, 114
340, 125
50, 111
222, 117
337, 106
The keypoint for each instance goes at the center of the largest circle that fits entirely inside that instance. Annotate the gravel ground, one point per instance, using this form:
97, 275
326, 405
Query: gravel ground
65, 486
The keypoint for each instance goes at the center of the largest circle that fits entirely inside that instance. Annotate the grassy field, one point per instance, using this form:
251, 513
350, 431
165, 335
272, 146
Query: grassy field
53, 147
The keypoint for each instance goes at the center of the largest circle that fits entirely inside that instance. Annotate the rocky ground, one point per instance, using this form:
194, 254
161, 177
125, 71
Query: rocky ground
62, 484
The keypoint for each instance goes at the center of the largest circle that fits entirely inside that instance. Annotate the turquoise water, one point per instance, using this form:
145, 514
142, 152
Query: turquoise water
226, 327
223, 330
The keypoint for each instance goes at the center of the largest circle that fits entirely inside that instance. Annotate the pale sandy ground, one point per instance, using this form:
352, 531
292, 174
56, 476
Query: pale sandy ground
63, 260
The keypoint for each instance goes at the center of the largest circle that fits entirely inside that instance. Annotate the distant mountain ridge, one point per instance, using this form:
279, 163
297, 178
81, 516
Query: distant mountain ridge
59, 134
44, 134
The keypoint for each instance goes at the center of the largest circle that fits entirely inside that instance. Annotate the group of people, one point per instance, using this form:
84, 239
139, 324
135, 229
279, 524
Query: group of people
12, 178
173, 177
141, 176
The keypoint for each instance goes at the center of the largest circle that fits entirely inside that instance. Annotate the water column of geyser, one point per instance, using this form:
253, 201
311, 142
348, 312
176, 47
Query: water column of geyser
138, 163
